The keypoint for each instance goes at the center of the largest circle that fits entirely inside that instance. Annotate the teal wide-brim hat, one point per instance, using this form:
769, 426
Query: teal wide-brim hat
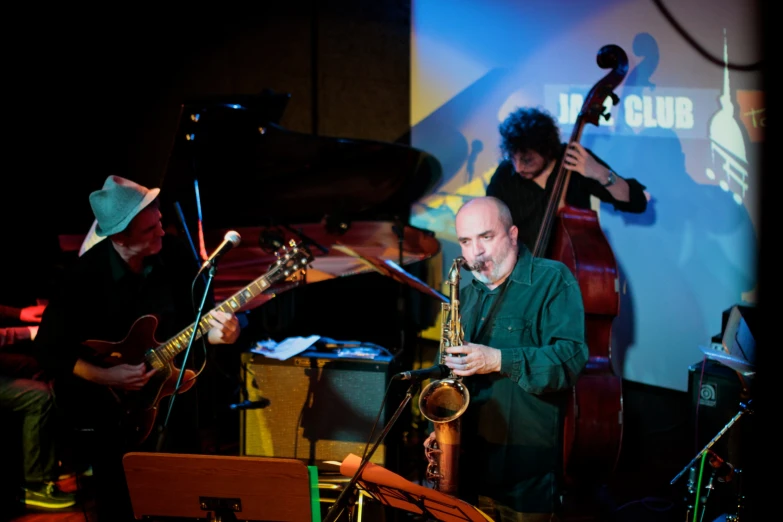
118, 202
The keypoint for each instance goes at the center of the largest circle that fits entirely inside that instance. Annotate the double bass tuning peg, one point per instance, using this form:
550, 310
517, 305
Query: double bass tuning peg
615, 101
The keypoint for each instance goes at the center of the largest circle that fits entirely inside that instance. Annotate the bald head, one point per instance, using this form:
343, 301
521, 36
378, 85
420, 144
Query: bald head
489, 206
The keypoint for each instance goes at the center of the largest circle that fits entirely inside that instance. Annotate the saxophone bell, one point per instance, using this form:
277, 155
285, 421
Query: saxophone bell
444, 400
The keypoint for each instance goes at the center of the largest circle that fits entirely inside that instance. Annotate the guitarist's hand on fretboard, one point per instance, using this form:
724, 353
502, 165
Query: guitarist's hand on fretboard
225, 328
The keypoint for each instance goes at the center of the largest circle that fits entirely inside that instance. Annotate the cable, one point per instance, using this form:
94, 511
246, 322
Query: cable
698, 482
377, 418
698, 402
698, 47
202, 339
645, 502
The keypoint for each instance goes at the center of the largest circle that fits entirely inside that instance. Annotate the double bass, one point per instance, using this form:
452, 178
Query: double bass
594, 417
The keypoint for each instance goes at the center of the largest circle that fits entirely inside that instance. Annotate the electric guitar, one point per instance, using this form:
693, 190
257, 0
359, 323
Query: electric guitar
141, 406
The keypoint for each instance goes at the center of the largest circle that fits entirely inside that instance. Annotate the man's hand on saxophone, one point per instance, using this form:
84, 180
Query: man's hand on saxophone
465, 359
470, 359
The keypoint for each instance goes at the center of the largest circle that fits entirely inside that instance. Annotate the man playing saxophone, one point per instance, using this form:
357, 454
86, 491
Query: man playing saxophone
523, 349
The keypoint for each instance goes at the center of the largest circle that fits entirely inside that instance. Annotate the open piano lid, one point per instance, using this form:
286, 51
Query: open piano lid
251, 171
272, 185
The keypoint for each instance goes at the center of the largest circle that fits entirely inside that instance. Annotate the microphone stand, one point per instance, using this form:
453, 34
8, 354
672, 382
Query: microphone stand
744, 408
342, 501
197, 327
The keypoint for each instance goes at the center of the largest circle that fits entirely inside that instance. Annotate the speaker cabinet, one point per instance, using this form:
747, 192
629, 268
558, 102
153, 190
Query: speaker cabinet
714, 404
716, 394
321, 407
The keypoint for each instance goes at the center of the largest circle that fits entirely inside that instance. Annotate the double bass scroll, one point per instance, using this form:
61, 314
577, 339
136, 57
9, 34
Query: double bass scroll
593, 424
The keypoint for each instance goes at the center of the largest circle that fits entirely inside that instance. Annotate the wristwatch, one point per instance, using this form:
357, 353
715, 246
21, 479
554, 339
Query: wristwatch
611, 179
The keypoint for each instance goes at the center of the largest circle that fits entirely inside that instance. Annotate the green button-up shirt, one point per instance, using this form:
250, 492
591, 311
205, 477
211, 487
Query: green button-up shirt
513, 428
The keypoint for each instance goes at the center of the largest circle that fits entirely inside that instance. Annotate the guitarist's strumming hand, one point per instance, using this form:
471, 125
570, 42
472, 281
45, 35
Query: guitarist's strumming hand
225, 328
129, 377
122, 376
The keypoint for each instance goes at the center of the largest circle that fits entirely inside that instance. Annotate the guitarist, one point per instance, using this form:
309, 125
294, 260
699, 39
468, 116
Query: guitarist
137, 271
530, 142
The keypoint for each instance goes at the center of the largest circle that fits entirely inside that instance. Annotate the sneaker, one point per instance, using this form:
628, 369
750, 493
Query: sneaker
48, 495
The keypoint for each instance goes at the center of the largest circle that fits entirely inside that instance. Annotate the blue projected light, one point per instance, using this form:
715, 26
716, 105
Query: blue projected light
681, 129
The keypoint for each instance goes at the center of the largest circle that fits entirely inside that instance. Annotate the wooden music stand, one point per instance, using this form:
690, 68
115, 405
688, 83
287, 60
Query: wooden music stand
221, 488
392, 490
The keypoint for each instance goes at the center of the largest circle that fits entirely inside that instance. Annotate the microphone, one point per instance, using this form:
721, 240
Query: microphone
435, 372
250, 405
723, 469
230, 240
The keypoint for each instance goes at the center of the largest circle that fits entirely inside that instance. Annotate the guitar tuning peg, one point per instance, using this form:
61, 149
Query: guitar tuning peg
615, 98
607, 115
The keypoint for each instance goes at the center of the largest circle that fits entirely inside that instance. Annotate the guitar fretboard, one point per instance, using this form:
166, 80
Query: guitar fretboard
167, 351
171, 348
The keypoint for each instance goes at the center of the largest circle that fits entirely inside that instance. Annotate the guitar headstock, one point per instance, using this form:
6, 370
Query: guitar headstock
291, 264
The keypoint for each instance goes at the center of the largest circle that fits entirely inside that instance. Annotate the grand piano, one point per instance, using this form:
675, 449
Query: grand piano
234, 167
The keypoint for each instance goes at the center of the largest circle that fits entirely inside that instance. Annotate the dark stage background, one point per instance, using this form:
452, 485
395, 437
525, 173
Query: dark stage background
89, 97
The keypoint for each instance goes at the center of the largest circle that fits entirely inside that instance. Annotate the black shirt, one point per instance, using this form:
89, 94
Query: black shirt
101, 299
528, 201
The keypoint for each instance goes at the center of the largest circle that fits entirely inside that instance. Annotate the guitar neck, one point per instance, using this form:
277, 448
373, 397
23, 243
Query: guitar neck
174, 346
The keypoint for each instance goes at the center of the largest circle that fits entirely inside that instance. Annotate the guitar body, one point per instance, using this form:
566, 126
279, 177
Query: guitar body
141, 407
140, 346
593, 423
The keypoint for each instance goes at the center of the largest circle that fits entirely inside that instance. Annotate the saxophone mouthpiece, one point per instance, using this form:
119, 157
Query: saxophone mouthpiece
461, 261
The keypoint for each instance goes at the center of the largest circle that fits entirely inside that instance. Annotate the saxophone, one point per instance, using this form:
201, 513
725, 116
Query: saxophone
444, 401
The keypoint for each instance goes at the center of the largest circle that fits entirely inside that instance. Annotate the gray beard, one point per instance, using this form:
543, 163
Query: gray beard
491, 278
497, 264
482, 278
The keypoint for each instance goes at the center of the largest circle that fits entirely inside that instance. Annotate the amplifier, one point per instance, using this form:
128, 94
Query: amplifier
714, 404
716, 392
321, 407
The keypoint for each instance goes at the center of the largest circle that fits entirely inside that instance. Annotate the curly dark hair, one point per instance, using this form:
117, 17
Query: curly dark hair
530, 129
